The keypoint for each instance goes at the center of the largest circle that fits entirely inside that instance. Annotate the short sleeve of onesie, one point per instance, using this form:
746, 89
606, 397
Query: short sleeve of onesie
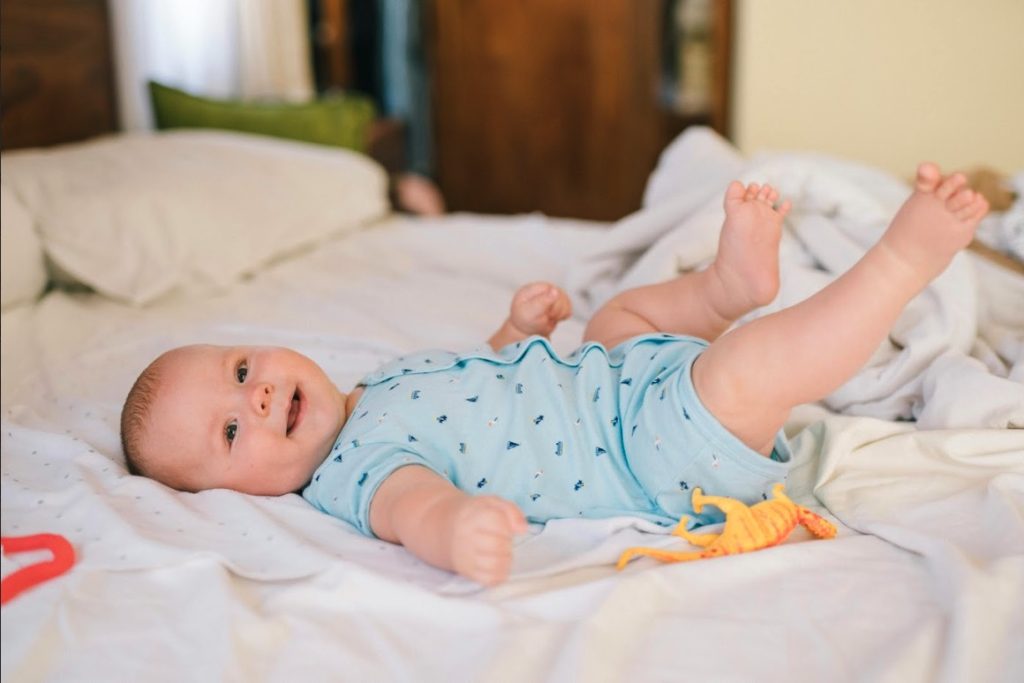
346, 482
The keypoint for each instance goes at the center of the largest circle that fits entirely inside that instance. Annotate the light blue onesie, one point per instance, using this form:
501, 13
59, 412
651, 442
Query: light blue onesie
596, 434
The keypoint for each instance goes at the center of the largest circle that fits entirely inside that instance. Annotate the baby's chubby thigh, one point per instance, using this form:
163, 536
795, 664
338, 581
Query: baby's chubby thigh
673, 444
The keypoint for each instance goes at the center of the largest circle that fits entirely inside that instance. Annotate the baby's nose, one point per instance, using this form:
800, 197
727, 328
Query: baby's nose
261, 396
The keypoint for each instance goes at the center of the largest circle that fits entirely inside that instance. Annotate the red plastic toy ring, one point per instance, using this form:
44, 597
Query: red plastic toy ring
34, 574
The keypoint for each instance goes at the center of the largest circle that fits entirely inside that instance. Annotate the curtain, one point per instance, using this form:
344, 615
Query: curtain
252, 49
405, 87
275, 50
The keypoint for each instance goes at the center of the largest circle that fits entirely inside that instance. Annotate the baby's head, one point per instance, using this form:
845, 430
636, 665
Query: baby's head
254, 419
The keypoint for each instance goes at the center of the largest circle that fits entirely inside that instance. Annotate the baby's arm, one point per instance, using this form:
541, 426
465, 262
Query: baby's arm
446, 527
537, 308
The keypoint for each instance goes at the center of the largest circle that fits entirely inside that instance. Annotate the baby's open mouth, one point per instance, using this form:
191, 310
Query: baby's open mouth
294, 412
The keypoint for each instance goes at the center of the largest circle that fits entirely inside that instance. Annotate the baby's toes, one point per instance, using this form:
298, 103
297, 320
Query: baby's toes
960, 199
950, 186
928, 177
752, 190
765, 195
734, 193
973, 211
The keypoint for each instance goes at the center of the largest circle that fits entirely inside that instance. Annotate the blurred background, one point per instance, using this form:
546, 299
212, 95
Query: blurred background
559, 106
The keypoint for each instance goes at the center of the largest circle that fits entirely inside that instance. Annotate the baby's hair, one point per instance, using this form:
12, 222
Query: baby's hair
135, 415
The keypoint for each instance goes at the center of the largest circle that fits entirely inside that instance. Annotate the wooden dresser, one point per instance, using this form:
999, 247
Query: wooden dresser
554, 106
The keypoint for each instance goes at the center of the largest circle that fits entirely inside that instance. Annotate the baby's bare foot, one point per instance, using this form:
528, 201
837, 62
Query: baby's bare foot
747, 263
937, 221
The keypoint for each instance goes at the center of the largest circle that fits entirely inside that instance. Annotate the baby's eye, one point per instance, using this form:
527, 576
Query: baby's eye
241, 372
230, 431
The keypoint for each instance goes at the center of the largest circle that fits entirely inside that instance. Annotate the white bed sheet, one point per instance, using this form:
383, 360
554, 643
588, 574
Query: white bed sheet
924, 582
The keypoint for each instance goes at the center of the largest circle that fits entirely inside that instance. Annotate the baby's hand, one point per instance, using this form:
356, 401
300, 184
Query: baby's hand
538, 307
482, 533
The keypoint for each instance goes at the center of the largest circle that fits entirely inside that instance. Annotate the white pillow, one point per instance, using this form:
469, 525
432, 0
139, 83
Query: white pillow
136, 216
22, 267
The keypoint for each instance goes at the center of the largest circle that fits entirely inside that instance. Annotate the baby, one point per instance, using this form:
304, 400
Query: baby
451, 454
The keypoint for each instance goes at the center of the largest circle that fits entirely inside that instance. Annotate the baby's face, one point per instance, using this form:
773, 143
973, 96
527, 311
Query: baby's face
254, 419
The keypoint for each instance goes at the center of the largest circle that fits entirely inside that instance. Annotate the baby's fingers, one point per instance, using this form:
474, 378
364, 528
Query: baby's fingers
515, 518
536, 300
532, 315
490, 570
532, 291
500, 516
562, 307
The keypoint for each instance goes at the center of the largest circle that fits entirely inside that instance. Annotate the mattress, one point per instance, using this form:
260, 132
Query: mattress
924, 581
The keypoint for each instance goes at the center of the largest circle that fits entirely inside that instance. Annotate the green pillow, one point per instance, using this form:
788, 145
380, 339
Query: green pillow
337, 120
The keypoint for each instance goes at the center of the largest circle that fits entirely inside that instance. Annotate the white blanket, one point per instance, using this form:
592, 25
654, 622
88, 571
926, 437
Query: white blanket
955, 358
922, 584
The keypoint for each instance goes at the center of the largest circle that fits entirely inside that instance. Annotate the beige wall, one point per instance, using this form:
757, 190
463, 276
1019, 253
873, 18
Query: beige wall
887, 82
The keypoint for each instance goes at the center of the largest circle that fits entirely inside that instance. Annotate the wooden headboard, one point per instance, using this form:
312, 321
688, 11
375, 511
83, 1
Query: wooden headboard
56, 72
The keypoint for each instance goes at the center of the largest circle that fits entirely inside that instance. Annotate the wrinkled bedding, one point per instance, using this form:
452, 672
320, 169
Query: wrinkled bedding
955, 358
923, 583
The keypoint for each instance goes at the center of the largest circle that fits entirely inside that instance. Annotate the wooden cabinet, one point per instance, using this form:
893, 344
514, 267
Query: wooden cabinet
56, 72
554, 105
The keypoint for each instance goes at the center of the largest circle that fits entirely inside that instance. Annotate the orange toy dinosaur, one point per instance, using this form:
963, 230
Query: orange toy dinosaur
759, 526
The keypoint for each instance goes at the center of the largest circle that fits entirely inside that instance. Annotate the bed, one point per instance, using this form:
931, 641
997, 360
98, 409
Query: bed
119, 248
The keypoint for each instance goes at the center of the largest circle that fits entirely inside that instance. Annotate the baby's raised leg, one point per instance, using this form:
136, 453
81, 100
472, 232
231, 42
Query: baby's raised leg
743, 276
751, 377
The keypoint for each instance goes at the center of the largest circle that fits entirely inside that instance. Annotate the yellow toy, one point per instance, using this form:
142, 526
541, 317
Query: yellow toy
759, 526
